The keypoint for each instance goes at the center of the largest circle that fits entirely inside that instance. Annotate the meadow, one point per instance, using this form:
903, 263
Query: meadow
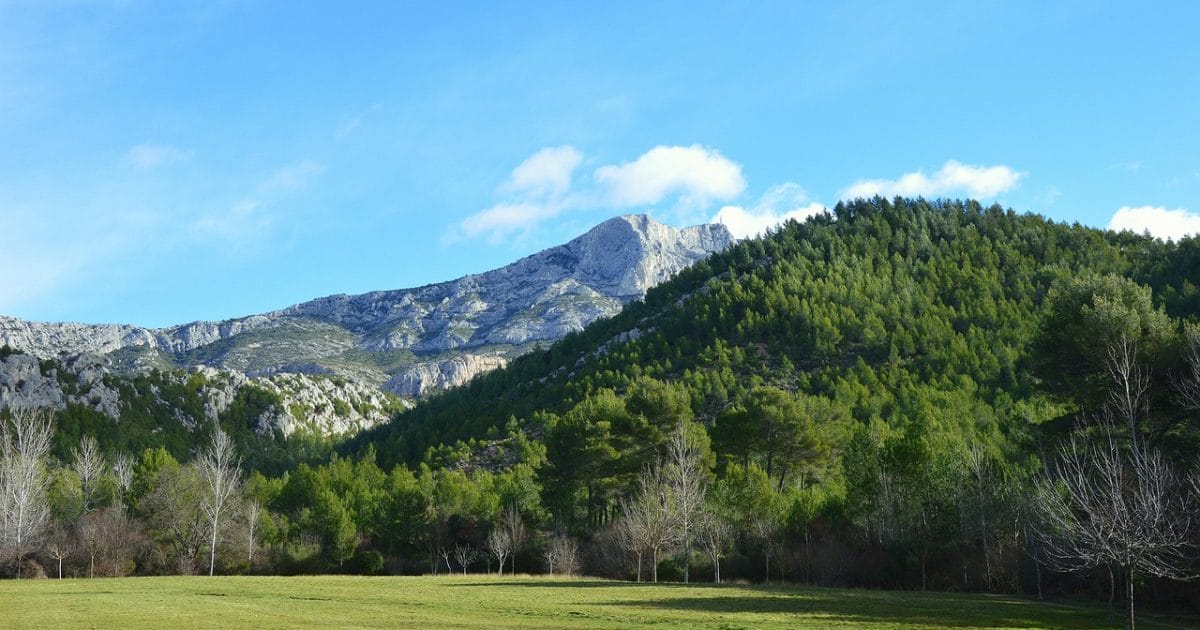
475, 601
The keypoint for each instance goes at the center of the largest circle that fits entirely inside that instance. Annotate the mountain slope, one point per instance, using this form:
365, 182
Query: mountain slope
882, 307
408, 341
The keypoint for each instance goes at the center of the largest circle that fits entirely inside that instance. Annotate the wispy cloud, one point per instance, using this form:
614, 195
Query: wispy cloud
778, 204
1157, 220
953, 178
150, 156
544, 186
352, 122
292, 177
251, 217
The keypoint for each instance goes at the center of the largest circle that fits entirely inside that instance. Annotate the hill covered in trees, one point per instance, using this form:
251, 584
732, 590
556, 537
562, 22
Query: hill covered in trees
896, 373
876, 306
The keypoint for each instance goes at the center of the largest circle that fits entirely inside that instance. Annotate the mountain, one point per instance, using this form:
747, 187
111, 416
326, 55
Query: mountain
409, 341
899, 312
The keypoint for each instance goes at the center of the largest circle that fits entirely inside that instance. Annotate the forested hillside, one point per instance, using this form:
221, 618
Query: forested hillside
874, 397
878, 306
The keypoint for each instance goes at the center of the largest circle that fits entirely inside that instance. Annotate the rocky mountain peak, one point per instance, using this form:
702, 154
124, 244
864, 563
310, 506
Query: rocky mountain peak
410, 341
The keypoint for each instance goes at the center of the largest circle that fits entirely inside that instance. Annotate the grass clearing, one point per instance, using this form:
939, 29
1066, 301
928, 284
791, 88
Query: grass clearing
475, 601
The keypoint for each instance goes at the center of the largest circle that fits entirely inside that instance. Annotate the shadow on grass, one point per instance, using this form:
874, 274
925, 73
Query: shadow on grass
909, 608
544, 583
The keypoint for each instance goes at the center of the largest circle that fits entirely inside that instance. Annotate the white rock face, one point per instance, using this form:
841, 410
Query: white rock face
417, 380
317, 403
23, 384
489, 316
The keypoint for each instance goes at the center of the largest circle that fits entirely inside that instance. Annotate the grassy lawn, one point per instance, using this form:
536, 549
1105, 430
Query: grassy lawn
520, 602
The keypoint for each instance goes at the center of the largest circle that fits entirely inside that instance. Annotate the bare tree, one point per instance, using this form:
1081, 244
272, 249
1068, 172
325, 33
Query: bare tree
122, 470
650, 513
252, 511
1187, 385
465, 555
59, 546
108, 537
685, 481
514, 525
562, 556
220, 470
766, 528
1128, 399
499, 543
24, 510
713, 534
629, 534
89, 466
1105, 505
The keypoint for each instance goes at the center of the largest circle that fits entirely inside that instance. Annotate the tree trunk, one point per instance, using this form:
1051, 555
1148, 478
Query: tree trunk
716, 570
767, 555
212, 553
654, 559
639, 570
687, 556
1037, 566
924, 575
60, 568
1129, 623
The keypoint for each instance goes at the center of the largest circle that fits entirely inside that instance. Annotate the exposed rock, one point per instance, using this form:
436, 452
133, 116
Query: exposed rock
388, 337
26, 383
417, 380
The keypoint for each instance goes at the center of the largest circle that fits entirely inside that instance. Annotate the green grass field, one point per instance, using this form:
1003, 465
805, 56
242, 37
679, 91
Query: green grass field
518, 602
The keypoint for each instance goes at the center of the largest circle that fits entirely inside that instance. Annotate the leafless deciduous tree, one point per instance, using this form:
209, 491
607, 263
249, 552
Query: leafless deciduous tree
1106, 505
220, 470
500, 545
89, 466
1128, 399
649, 517
766, 528
465, 555
122, 470
24, 510
108, 537
562, 556
59, 546
686, 484
713, 534
252, 512
1187, 384
511, 522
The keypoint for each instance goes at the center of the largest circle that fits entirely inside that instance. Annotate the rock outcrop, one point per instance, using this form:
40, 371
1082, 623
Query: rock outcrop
419, 379
411, 341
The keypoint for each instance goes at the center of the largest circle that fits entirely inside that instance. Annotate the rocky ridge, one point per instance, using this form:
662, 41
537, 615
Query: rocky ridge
411, 341
326, 406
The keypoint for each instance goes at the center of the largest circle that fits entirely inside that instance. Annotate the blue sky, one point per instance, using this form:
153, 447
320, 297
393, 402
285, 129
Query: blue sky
167, 162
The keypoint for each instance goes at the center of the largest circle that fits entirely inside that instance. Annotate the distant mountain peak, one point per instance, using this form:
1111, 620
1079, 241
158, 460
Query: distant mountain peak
450, 329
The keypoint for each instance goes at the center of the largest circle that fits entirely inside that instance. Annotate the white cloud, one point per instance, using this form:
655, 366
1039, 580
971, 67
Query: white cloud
698, 174
543, 187
504, 219
150, 156
1158, 221
953, 178
545, 173
778, 204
